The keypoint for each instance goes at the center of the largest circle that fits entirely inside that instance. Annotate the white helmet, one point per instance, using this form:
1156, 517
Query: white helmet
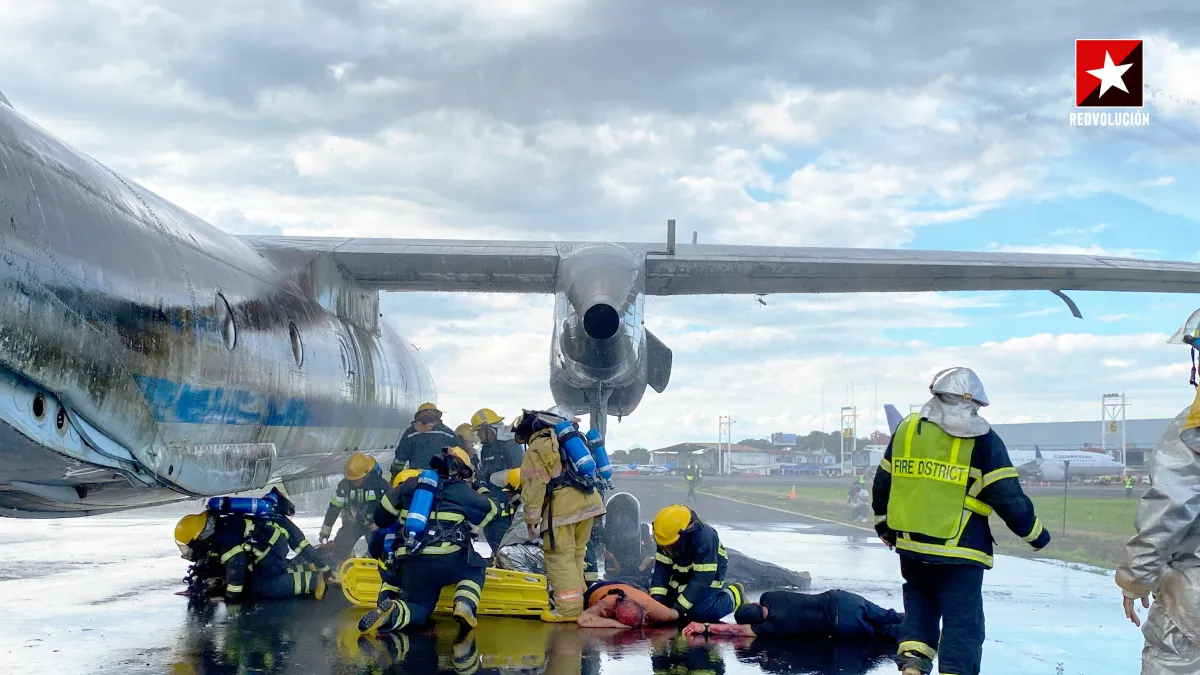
560, 411
1190, 329
959, 381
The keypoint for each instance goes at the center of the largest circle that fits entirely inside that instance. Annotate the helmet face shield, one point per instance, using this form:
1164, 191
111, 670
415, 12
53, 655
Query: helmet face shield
1189, 329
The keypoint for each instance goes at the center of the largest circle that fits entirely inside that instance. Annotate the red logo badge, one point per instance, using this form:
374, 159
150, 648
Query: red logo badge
1108, 73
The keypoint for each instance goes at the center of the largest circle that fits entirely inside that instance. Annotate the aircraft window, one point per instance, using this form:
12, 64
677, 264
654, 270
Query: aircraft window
39, 406
225, 319
297, 343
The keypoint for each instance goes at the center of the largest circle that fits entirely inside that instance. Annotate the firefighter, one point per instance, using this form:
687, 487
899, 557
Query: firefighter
355, 499
692, 477
834, 614
561, 504
442, 556
498, 450
1163, 558
944, 472
253, 553
689, 567
382, 541
423, 440
466, 441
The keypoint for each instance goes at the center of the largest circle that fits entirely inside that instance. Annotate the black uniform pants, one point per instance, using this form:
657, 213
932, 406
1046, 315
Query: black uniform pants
278, 584
424, 578
347, 536
949, 595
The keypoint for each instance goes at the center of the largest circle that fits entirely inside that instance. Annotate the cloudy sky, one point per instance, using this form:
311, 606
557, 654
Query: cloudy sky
885, 124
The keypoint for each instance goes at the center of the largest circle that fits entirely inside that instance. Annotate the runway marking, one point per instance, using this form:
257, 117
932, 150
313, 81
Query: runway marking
794, 513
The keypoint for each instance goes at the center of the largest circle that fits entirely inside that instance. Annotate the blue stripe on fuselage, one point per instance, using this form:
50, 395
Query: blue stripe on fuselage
183, 403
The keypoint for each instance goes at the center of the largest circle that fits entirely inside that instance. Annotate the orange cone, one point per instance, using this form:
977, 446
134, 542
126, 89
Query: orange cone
792, 494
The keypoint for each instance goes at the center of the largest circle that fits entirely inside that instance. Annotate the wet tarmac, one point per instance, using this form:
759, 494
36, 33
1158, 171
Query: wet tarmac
96, 595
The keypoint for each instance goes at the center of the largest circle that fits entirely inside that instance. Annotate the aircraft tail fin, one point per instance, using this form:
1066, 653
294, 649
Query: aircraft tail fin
893, 417
1037, 455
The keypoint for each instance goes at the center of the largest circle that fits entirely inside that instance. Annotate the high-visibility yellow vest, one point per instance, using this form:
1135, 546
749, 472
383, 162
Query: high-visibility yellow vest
929, 479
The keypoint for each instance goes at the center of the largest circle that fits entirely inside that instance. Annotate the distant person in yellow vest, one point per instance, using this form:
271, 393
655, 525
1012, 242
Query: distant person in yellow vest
944, 472
1163, 558
1128, 487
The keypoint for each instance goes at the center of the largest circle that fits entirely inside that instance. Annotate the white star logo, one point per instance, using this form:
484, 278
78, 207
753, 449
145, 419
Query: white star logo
1110, 74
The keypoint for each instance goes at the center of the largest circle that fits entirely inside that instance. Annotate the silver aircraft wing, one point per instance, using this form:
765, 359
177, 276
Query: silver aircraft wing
691, 269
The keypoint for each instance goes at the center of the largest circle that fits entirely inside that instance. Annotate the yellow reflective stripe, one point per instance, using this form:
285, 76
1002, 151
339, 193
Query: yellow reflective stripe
684, 602
717, 584
231, 553
441, 549
663, 559
295, 583
490, 515
302, 545
673, 583
451, 517
918, 647
387, 505
681, 569
886, 465
881, 519
704, 567
977, 485
1035, 532
944, 551
468, 584
721, 551
234, 588
908, 439
279, 532
337, 502
388, 587
658, 590
975, 506
954, 448
999, 474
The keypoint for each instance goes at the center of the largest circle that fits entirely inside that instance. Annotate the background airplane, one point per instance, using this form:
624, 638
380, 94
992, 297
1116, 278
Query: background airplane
1051, 466
147, 356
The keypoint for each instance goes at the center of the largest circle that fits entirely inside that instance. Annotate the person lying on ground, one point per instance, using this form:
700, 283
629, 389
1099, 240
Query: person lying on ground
835, 613
612, 604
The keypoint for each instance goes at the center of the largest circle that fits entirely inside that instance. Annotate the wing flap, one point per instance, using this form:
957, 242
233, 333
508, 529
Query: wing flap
658, 364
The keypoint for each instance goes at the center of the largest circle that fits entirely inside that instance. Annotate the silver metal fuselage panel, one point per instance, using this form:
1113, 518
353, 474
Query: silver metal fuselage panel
176, 342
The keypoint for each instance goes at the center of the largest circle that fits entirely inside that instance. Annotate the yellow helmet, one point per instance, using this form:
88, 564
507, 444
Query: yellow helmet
428, 406
512, 481
358, 465
484, 416
404, 475
190, 527
464, 430
670, 522
462, 457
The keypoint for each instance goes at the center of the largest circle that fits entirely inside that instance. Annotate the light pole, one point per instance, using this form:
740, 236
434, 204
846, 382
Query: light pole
1112, 414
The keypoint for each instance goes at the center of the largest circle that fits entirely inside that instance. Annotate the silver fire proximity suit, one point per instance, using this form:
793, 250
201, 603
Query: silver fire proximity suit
1163, 558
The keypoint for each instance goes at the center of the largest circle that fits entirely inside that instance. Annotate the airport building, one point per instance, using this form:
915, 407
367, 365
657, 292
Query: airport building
1140, 438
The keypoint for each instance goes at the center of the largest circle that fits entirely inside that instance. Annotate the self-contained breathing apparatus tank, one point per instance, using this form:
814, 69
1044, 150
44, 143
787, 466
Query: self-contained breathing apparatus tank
576, 448
419, 510
596, 443
246, 506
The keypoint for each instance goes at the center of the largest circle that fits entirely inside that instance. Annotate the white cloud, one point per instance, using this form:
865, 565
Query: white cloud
566, 119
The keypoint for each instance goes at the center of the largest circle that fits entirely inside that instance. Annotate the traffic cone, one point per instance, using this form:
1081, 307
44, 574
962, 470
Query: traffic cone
792, 494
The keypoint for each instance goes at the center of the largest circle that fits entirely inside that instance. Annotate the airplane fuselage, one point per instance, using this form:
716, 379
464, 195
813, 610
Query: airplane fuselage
146, 354
1053, 466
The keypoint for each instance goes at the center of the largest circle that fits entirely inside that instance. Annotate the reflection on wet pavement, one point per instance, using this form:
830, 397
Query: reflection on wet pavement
95, 595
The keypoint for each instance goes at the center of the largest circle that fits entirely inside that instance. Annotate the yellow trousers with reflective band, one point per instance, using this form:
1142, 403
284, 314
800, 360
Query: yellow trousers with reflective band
564, 565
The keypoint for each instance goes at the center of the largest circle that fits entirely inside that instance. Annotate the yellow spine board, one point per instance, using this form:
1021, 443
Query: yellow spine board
505, 593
